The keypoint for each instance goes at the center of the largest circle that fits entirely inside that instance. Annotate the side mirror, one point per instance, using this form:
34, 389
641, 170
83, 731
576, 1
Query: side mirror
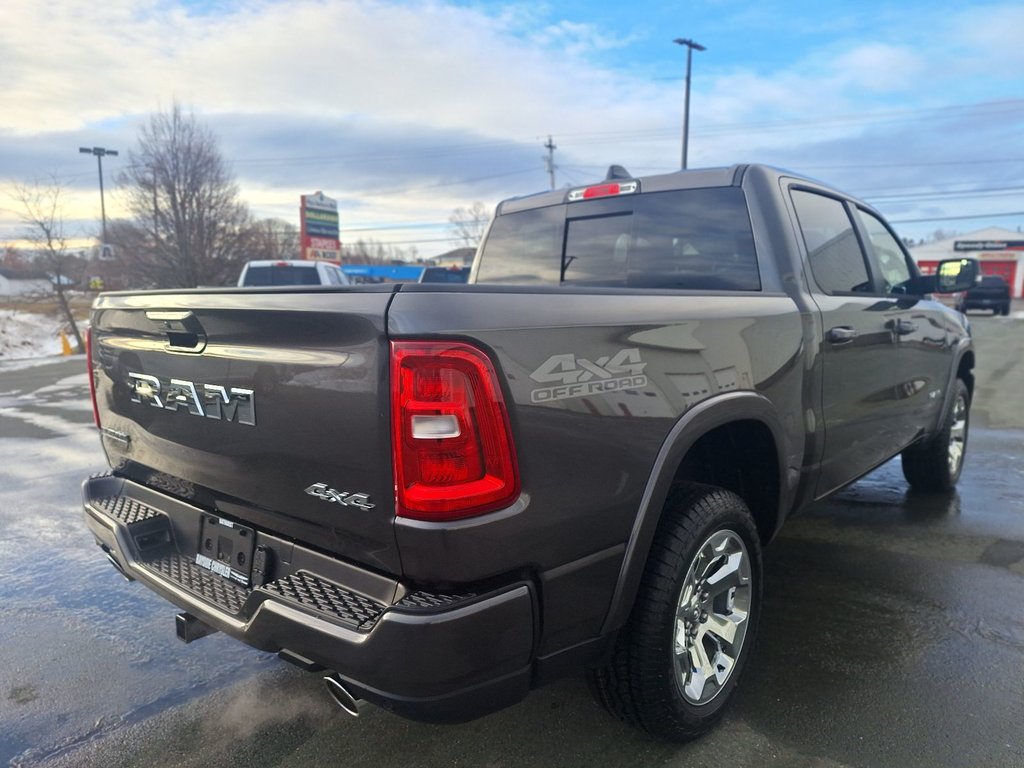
955, 275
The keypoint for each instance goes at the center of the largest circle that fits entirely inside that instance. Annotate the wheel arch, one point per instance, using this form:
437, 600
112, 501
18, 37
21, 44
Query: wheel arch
965, 369
962, 368
689, 453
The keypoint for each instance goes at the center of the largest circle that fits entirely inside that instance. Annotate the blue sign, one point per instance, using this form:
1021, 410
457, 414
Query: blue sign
384, 271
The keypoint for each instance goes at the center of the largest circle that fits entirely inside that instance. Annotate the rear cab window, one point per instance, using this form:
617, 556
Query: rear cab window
687, 239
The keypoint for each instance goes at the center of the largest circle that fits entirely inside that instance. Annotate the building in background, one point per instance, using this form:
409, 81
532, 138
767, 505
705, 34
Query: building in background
15, 283
1000, 252
319, 217
462, 257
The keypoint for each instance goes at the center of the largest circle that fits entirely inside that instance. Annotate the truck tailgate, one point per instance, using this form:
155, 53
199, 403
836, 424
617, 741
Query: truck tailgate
270, 407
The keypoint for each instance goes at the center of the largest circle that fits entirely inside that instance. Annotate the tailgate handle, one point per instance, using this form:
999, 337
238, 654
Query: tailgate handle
183, 330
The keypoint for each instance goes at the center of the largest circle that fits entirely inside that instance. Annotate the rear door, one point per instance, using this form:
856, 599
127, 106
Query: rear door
861, 401
270, 406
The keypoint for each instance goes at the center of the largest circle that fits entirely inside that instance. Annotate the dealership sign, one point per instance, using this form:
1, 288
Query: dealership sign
988, 245
319, 216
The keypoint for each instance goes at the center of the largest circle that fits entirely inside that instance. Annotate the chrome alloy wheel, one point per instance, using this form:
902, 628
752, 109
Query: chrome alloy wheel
711, 617
958, 435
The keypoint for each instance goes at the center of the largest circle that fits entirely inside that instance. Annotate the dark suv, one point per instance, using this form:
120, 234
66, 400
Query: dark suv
991, 292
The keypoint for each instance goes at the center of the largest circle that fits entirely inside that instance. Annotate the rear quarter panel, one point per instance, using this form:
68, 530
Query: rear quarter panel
585, 454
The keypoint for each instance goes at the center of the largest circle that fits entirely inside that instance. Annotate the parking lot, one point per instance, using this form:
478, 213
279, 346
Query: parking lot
892, 632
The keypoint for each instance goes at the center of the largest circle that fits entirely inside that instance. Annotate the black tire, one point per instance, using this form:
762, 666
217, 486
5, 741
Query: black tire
930, 466
645, 682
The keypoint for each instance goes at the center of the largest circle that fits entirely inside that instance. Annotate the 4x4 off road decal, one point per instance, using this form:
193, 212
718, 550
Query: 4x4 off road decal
577, 376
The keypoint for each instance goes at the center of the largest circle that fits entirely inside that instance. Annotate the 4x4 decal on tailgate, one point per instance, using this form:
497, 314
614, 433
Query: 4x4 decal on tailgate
344, 498
579, 376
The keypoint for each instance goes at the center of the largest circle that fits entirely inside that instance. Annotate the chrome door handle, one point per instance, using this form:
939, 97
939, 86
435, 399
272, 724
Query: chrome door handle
841, 334
902, 327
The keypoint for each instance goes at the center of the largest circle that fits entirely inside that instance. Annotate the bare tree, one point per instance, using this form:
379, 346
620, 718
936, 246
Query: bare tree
42, 212
273, 239
11, 258
356, 253
942, 234
188, 226
373, 252
469, 224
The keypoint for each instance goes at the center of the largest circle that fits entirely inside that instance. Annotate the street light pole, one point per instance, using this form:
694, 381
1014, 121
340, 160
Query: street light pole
690, 47
100, 152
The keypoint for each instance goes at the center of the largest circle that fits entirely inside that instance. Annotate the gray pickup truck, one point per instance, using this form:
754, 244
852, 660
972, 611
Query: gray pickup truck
446, 495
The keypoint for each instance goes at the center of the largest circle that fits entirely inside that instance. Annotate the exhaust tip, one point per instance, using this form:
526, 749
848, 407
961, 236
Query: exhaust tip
348, 703
117, 565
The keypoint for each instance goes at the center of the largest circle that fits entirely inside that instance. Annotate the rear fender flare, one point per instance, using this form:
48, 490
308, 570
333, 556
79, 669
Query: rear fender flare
694, 424
964, 346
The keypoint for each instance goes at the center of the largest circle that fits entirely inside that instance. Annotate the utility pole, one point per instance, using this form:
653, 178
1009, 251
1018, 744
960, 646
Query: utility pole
549, 160
690, 47
100, 153
156, 212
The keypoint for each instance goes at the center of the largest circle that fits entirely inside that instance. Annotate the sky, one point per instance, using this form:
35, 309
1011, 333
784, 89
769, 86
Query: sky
405, 110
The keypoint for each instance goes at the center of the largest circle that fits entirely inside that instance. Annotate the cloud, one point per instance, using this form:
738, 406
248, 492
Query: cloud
440, 66
389, 105
988, 42
878, 67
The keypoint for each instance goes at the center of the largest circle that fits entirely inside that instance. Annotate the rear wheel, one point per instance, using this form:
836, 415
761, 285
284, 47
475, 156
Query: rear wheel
677, 662
935, 465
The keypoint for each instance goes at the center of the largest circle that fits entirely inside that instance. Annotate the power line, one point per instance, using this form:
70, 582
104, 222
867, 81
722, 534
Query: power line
919, 164
666, 132
958, 218
953, 193
417, 242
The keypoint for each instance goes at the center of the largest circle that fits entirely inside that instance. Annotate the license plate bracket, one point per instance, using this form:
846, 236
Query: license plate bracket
226, 548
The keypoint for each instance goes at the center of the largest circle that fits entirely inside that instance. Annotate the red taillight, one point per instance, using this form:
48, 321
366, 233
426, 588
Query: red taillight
92, 375
452, 445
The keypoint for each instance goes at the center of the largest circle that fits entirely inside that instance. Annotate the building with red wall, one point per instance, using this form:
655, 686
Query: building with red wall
998, 251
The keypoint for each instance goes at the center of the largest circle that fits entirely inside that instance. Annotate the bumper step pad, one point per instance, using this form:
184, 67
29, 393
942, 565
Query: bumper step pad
302, 589
422, 600
125, 509
311, 591
225, 594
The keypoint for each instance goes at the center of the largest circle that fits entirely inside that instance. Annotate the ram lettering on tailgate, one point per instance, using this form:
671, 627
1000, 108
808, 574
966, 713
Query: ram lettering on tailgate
215, 402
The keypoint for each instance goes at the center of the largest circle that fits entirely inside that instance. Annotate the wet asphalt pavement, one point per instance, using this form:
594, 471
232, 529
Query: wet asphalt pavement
892, 631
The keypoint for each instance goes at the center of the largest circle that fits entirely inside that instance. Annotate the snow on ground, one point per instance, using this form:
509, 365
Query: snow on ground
28, 335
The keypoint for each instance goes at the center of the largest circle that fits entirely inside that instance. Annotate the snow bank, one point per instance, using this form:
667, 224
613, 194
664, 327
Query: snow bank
28, 335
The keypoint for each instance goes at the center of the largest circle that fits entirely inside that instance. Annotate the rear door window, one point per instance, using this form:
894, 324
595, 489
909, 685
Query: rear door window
833, 252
